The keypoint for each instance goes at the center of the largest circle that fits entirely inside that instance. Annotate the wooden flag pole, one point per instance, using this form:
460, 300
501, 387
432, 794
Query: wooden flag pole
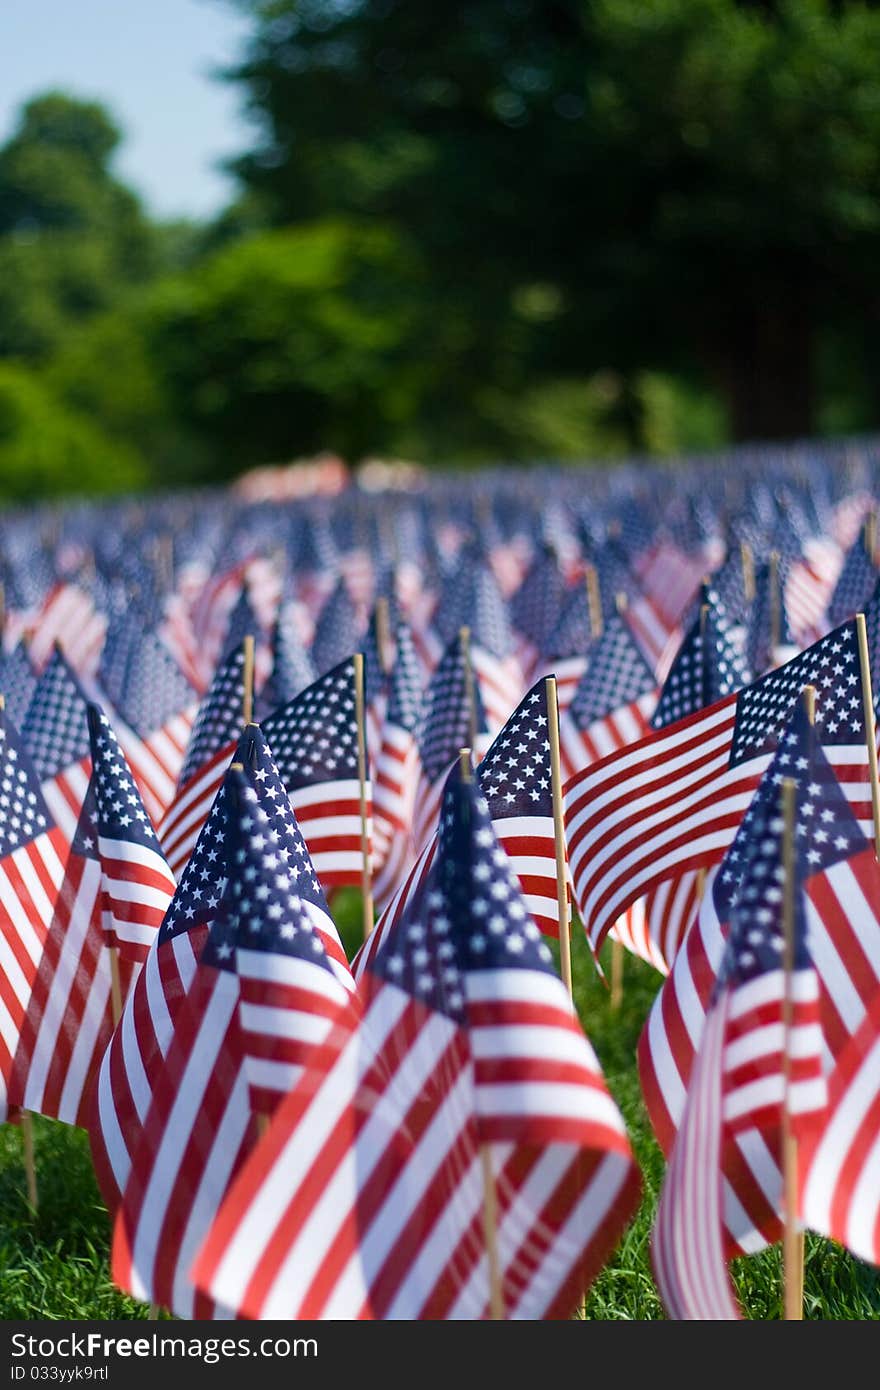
792, 1238
383, 634
870, 534
490, 1194
464, 638
559, 834
366, 870
747, 562
594, 599
247, 703
115, 985
870, 725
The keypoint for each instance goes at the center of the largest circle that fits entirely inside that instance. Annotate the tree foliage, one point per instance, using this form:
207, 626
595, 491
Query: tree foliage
686, 184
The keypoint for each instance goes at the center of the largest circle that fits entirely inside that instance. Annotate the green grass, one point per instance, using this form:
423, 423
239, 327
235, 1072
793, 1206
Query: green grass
55, 1264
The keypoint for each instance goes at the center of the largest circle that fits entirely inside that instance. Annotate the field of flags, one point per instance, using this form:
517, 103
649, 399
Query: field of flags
493, 709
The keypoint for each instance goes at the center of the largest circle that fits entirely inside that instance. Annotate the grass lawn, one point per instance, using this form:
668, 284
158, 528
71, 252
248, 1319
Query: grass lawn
55, 1265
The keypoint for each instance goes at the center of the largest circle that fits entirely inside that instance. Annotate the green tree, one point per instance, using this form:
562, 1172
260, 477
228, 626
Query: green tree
288, 341
47, 448
684, 185
72, 237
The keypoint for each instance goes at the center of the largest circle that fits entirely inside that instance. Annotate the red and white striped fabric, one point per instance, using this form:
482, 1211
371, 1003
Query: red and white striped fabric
31, 875
136, 882
516, 778
196, 1133
156, 760
568, 672
210, 617
176, 632
69, 618
501, 685
670, 579
181, 825
840, 1166
809, 587
687, 1241
580, 748
673, 801
669, 910
69, 1019
631, 931
131, 1064
236, 1040
292, 972
395, 778
365, 1198
314, 742
657, 638
65, 793
843, 920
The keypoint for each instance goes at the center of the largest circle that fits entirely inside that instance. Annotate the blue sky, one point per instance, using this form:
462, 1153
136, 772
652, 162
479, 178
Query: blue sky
149, 61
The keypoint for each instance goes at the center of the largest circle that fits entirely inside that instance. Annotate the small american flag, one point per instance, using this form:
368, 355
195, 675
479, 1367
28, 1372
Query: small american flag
610, 705
69, 1018
55, 733
673, 801
468, 1037
208, 752
293, 975
32, 856
755, 1065
235, 1042
136, 882
314, 742
446, 727
840, 1165
842, 885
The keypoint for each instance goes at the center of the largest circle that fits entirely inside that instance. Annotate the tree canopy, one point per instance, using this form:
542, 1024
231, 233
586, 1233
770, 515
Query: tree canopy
488, 229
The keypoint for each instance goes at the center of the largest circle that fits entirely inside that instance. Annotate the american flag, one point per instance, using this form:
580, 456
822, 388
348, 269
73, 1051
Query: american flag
447, 726
314, 742
857, 582
840, 1167
69, 1019
129, 1067
395, 773
515, 779
757, 1064
153, 713
136, 882
842, 886
365, 1198
56, 735
32, 856
234, 1038
292, 973
610, 705
673, 801
809, 583
69, 619
707, 669
209, 749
